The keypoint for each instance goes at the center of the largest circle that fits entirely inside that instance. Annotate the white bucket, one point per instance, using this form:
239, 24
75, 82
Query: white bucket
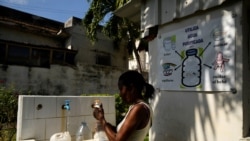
62, 136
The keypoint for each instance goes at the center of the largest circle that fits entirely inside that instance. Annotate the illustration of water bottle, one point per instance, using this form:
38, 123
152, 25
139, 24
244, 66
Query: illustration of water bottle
191, 69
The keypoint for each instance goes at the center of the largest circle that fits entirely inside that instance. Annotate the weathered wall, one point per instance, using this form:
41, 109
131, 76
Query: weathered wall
62, 80
199, 116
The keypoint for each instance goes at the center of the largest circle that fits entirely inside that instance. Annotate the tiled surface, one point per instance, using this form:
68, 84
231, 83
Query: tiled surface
33, 129
111, 106
48, 107
85, 108
28, 102
41, 123
55, 125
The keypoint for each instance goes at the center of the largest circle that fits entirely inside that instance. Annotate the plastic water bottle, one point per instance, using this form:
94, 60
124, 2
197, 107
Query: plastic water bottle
100, 134
83, 132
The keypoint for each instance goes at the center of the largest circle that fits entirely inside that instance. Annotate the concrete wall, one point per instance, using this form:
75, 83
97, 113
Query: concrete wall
39, 117
199, 116
87, 51
62, 80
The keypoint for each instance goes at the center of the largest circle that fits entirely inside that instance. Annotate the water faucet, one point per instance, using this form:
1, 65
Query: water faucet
66, 105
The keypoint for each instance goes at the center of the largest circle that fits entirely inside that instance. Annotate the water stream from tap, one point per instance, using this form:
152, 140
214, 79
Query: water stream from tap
67, 119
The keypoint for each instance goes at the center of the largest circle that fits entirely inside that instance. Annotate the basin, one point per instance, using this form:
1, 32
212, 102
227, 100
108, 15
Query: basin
40, 117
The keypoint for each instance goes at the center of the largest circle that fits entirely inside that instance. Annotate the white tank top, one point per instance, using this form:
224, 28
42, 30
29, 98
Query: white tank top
138, 135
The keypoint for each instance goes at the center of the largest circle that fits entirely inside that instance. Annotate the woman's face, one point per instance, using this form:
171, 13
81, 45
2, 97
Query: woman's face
126, 94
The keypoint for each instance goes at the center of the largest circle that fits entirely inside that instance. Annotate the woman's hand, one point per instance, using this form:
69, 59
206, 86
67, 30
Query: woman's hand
98, 113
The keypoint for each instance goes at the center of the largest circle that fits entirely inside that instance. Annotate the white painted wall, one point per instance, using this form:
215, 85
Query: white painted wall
133, 65
41, 124
87, 50
198, 116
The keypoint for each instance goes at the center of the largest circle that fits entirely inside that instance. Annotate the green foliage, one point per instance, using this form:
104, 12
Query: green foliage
8, 113
121, 108
115, 27
96, 13
146, 138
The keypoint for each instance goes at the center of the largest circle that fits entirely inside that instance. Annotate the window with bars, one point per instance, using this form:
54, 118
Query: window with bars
2, 52
34, 56
103, 59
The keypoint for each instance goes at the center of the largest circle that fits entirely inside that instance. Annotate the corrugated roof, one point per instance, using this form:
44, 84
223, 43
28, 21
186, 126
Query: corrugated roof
33, 23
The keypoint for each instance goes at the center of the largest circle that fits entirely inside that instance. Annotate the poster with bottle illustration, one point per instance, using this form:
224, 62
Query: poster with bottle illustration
198, 57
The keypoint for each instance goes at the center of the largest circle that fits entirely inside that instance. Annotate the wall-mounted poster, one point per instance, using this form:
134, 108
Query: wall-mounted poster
199, 57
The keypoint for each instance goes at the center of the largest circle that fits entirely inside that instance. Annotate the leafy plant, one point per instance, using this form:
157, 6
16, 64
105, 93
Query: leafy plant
116, 28
121, 108
8, 113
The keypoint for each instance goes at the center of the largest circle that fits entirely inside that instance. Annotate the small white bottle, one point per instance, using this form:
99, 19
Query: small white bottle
83, 133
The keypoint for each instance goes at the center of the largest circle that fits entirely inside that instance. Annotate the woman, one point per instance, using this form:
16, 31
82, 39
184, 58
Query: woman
136, 123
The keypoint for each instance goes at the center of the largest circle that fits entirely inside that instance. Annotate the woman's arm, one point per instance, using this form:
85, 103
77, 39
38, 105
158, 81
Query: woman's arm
109, 129
134, 121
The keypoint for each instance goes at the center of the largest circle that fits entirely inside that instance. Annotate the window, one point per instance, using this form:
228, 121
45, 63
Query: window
36, 56
40, 58
103, 59
70, 58
18, 55
2, 52
63, 57
58, 57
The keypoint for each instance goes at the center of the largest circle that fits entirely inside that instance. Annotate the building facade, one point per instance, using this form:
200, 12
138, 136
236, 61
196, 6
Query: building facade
47, 57
199, 65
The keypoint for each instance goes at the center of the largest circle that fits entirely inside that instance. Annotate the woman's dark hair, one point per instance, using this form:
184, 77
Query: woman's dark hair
133, 77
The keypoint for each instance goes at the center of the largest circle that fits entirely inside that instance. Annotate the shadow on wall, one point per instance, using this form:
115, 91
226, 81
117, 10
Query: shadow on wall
188, 115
